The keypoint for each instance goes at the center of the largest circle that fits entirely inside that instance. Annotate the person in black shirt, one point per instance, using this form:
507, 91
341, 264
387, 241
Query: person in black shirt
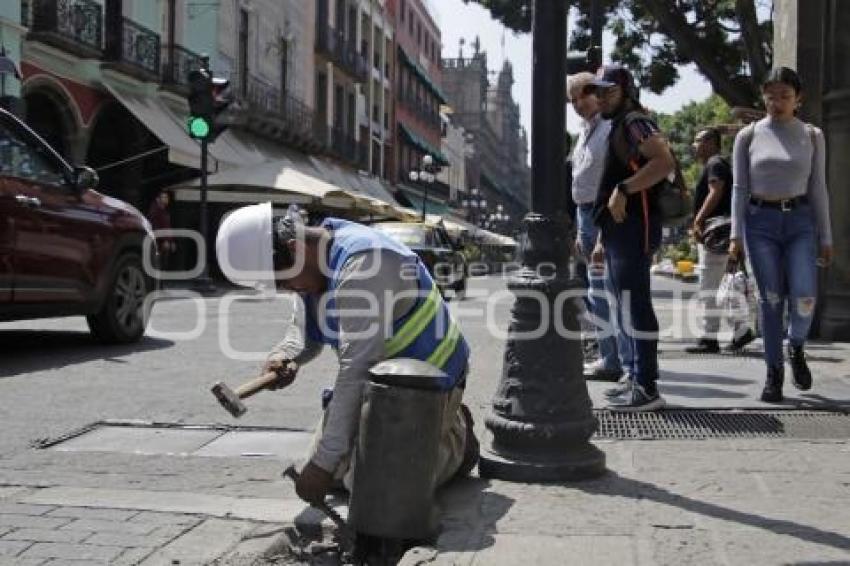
712, 199
626, 212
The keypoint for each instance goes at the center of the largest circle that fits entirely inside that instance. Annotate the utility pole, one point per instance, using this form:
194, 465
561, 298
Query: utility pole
203, 283
541, 418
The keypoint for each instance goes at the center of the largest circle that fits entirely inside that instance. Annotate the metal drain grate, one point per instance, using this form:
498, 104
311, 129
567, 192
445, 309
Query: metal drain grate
705, 424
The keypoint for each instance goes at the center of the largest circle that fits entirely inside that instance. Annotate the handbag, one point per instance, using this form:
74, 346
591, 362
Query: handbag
717, 233
734, 292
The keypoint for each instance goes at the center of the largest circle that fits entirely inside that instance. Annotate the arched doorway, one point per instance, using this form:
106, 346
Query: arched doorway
48, 115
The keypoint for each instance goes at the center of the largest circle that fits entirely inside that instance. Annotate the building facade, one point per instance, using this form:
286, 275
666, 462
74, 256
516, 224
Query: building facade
497, 166
11, 40
455, 147
418, 95
811, 37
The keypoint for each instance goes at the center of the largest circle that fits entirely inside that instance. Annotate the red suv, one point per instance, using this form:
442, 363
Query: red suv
66, 249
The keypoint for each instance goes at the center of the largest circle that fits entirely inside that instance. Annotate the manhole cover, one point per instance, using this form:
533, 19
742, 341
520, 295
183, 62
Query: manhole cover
688, 424
133, 437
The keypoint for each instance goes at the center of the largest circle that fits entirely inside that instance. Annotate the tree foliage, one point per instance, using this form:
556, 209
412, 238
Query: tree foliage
681, 127
725, 39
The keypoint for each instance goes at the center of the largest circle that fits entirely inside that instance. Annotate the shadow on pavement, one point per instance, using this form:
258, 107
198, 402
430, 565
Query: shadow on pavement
468, 510
817, 401
26, 351
701, 378
615, 485
698, 392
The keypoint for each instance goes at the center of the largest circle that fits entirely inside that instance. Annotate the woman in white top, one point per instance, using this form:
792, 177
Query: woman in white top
780, 207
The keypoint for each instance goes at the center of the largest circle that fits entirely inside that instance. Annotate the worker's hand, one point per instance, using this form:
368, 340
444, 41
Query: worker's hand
825, 256
617, 206
598, 255
313, 483
736, 249
285, 369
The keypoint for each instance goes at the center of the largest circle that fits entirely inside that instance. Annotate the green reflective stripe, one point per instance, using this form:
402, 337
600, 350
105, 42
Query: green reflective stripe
414, 326
446, 348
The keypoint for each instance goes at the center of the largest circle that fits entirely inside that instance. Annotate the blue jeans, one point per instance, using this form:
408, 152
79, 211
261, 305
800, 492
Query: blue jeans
614, 347
628, 263
782, 247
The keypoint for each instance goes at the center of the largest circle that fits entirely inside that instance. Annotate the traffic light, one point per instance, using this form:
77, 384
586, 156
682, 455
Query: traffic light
580, 61
207, 100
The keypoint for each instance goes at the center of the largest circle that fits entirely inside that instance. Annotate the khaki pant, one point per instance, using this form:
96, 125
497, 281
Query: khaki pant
451, 450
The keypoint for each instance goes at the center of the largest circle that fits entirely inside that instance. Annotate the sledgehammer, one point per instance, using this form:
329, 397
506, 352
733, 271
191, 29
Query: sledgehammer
232, 400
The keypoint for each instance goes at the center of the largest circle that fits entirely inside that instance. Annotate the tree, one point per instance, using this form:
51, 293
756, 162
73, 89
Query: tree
725, 39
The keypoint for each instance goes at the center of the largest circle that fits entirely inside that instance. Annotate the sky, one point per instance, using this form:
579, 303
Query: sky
458, 20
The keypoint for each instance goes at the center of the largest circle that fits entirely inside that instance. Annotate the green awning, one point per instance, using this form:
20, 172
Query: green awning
432, 205
423, 145
423, 76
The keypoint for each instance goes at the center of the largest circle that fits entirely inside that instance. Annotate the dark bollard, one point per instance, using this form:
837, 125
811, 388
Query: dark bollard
395, 467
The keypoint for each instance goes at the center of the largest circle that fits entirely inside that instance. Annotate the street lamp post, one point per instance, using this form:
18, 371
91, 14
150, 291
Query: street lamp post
541, 417
472, 204
425, 177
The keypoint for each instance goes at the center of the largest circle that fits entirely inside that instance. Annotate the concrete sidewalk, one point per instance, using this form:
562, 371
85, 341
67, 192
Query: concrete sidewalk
708, 502
726, 502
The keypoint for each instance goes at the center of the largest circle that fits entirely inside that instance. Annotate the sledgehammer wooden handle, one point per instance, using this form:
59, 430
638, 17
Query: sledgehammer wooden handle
255, 385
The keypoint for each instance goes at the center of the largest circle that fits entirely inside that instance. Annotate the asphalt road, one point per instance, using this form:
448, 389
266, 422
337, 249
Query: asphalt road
55, 378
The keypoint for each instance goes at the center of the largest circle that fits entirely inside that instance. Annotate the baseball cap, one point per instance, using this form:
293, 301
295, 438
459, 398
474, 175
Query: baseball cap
616, 75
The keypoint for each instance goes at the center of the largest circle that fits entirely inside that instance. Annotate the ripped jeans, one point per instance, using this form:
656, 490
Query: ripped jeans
782, 247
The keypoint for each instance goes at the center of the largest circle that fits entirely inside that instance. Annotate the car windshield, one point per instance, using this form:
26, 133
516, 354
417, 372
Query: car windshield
407, 234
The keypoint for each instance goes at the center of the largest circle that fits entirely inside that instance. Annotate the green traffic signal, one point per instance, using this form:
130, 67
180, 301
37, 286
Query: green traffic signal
199, 127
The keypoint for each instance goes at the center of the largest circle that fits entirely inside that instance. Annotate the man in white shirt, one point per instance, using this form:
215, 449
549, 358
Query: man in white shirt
588, 163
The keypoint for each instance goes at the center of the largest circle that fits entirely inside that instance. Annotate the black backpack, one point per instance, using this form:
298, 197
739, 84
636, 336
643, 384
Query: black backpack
670, 196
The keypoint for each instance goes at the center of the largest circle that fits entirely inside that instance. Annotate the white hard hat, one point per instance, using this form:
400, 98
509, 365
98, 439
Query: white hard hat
244, 247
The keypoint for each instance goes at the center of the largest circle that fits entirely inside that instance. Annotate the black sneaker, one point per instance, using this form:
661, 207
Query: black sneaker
639, 401
704, 346
737, 344
772, 392
801, 376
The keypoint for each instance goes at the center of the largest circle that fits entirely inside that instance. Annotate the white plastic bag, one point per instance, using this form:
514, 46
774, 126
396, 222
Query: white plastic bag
734, 294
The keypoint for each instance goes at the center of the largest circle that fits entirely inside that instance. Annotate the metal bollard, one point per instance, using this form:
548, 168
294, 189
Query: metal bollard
395, 467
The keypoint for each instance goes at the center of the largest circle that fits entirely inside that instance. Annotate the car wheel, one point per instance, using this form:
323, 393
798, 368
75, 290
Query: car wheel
124, 315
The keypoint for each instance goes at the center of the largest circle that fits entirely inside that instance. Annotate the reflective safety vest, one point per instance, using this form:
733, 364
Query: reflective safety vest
426, 332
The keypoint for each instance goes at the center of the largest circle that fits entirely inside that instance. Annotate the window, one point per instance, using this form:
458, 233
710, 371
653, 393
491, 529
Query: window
402, 10
24, 158
321, 95
243, 51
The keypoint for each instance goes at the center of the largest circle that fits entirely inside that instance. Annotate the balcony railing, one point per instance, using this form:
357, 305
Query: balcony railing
76, 23
178, 63
140, 46
332, 44
280, 113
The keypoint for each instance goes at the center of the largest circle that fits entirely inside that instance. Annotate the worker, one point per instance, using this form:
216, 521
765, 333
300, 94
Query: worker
371, 299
